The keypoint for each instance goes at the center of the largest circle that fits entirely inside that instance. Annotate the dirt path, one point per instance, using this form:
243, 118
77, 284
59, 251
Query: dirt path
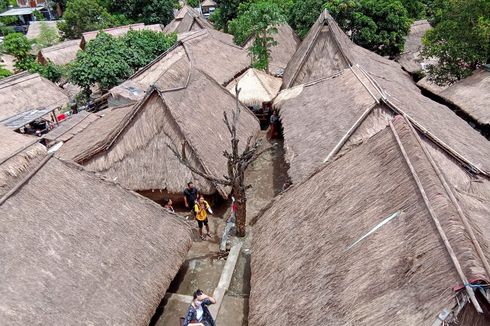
202, 268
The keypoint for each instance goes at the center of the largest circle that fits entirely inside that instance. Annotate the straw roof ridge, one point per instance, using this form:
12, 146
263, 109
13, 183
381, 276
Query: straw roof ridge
116, 28
256, 87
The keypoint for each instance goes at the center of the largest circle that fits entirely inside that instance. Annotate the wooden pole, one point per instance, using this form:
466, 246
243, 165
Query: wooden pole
441, 232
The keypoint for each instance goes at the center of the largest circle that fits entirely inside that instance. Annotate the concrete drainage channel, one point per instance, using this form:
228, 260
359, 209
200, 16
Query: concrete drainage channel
203, 272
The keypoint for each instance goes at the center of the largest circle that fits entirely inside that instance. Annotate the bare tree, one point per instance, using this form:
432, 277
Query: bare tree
237, 164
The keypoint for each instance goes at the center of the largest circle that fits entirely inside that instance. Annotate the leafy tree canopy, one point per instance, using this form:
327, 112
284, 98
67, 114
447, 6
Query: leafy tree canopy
259, 20
145, 11
460, 39
107, 61
17, 45
377, 25
83, 16
303, 14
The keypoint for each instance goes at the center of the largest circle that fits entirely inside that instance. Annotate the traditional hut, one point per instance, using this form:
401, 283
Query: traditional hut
281, 53
395, 232
208, 7
187, 19
76, 249
203, 49
25, 92
471, 95
70, 127
343, 94
114, 31
410, 58
34, 29
60, 54
184, 108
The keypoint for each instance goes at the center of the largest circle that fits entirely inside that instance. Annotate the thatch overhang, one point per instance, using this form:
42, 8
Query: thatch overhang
187, 19
321, 78
60, 54
202, 49
17, 153
130, 144
24, 92
471, 95
366, 247
282, 52
76, 249
256, 87
114, 31
34, 29
70, 127
410, 58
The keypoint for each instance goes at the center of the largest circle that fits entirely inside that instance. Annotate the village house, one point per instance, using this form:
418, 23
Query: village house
187, 19
208, 7
393, 232
130, 144
25, 97
77, 248
203, 49
410, 58
343, 94
35, 28
61, 54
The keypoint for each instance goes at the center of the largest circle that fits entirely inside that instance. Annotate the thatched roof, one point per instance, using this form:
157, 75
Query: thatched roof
79, 250
129, 144
60, 54
255, 87
281, 53
17, 153
35, 28
187, 19
7, 61
68, 128
208, 3
410, 58
154, 27
23, 92
471, 95
402, 272
339, 81
220, 60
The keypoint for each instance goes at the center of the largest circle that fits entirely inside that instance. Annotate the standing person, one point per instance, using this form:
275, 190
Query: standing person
201, 209
198, 311
273, 121
168, 205
190, 196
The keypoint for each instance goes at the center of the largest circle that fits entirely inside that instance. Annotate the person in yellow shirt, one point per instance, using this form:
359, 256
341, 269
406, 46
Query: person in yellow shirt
201, 208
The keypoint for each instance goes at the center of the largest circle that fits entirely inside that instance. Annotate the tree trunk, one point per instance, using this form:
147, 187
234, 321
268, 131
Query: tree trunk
241, 203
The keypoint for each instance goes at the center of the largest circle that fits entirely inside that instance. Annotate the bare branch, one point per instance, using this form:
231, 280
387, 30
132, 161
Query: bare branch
257, 155
186, 162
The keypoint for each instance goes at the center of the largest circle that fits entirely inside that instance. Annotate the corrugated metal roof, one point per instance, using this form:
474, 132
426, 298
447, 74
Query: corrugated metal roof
23, 118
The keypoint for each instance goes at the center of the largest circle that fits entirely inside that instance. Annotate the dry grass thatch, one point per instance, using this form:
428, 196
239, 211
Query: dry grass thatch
208, 3
471, 95
23, 92
79, 250
255, 87
70, 127
60, 54
17, 153
410, 58
326, 53
401, 274
34, 29
129, 145
220, 60
187, 19
281, 53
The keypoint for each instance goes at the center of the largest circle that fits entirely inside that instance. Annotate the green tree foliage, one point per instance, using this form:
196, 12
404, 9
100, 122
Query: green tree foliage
193, 3
39, 16
303, 14
460, 39
377, 25
82, 16
226, 11
258, 20
4, 73
144, 46
145, 11
17, 45
50, 71
107, 61
47, 36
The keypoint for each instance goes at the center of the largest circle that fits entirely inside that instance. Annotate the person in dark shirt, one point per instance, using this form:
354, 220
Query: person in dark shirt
190, 196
